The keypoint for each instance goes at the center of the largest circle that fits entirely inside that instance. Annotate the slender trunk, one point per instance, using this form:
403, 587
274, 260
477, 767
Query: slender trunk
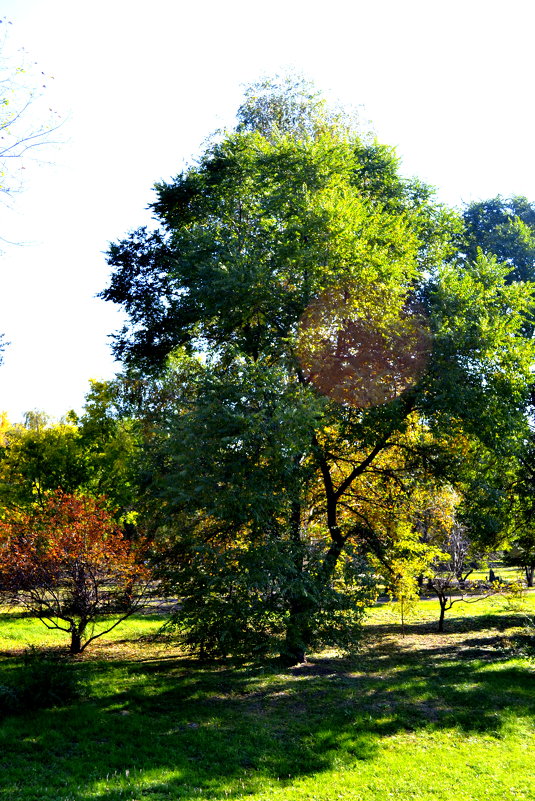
530, 570
298, 632
442, 602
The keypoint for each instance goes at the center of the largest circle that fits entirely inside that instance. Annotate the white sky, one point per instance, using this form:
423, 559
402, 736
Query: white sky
140, 85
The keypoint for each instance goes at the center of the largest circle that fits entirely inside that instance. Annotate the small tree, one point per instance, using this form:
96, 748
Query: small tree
410, 560
450, 590
522, 554
68, 565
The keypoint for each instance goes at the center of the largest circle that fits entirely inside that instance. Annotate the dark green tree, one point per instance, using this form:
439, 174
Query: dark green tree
519, 529
505, 228
299, 310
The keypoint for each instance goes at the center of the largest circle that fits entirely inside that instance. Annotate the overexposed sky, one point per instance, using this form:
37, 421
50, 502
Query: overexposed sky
140, 85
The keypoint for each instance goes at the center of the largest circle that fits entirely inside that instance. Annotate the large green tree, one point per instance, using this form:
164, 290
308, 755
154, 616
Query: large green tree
316, 345
505, 228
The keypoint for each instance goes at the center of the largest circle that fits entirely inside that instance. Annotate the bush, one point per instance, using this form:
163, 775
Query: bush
9, 700
44, 679
523, 643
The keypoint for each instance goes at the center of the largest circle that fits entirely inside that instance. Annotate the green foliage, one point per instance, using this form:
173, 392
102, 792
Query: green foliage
504, 227
410, 561
236, 600
255, 231
231, 602
109, 442
37, 457
480, 356
246, 458
43, 679
94, 453
520, 526
47, 678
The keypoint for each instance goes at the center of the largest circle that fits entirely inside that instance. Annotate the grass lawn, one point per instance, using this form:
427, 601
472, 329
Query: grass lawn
420, 716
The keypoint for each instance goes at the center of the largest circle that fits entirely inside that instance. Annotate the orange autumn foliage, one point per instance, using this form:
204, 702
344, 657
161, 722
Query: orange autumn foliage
68, 564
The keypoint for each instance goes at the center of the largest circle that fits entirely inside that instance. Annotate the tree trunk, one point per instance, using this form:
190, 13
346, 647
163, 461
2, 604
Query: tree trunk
442, 602
76, 642
77, 631
529, 570
298, 632
292, 654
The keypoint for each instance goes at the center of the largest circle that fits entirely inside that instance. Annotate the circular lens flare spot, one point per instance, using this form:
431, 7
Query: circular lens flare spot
360, 347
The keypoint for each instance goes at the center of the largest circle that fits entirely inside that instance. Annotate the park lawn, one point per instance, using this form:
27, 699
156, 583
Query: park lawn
502, 572
18, 630
420, 716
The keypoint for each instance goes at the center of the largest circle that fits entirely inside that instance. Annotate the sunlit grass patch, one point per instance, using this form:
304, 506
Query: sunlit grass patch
426, 611
19, 630
422, 716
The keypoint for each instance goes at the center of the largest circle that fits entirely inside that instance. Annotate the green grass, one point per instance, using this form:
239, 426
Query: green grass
504, 573
18, 630
422, 716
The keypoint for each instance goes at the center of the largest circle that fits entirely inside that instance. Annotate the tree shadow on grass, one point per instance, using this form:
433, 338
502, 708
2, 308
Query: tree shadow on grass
19, 614
175, 728
454, 624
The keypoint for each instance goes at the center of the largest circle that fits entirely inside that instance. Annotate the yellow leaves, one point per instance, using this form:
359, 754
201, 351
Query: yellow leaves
410, 559
4, 427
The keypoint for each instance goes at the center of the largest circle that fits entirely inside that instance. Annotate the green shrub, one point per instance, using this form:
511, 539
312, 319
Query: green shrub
43, 679
9, 700
523, 643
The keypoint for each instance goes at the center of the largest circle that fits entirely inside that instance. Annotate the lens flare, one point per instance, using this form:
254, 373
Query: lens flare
361, 347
